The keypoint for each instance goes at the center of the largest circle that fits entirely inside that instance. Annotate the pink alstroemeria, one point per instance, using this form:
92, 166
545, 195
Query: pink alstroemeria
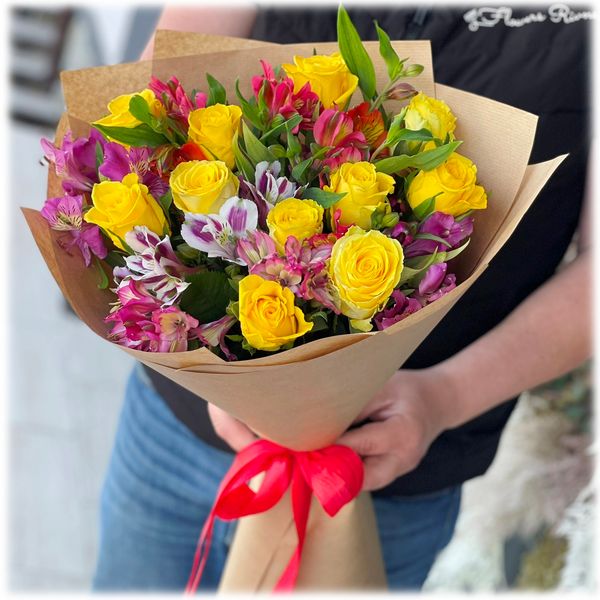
213, 334
280, 98
218, 235
303, 269
436, 283
65, 214
257, 246
443, 226
154, 265
268, 188
75, 160
139, 321
173, 326
120, 161
401, 308
335, 129
177, 103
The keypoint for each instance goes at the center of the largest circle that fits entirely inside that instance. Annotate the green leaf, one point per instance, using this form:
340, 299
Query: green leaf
392, 61
138, 107
288, 125
249, 110
103, 283
408, 135
425, 161
99, 155
115, 259
354, 54
425, 208
207, 296
242, 162
256, 150
165, 202
433, 238
142, 135
216, 92
322, 197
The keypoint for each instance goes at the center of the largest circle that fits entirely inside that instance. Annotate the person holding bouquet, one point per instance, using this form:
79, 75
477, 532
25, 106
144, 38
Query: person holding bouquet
438, 421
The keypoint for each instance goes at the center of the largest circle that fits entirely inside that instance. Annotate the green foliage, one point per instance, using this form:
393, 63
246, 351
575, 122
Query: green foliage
142, 135
425, 161
207, 296
354, 54
322, 197
216, 92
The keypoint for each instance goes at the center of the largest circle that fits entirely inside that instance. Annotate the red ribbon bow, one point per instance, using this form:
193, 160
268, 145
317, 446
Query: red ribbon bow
334, 474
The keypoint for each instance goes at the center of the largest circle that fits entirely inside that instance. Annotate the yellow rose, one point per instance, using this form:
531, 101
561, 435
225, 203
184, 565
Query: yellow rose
213, 128
455, 182
268, 316
428, 113
119, 110
300, 218
328, 76
120, 206
366, 191
365, 267
202, 186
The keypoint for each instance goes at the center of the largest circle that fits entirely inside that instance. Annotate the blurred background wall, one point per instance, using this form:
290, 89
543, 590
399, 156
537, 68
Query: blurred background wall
527, 524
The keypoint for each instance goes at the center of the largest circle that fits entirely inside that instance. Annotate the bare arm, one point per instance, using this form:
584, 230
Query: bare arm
233, 21
546, 336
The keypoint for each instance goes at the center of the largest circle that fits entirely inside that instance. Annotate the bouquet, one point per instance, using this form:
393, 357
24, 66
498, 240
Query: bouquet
279, 246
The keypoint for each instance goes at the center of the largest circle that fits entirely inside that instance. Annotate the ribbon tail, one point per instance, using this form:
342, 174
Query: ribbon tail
202, 550
301, 499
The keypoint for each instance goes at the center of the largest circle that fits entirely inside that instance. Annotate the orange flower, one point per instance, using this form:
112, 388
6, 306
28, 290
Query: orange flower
370, 123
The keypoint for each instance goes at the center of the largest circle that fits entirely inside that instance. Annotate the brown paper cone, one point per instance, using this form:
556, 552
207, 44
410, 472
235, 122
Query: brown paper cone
306, 397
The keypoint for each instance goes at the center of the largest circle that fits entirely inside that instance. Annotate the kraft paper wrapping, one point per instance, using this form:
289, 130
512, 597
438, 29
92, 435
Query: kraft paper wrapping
303, 398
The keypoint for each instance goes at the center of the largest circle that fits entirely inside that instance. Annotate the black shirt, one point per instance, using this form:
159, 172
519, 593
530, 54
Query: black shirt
529, 62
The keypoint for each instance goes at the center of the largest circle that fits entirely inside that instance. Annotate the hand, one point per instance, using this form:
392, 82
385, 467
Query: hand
229, 429
406, 417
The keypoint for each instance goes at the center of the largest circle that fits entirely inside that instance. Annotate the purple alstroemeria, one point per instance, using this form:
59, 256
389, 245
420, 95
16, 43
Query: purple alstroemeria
119, 161
436, 283
213, 334
65, 214
443, 226
257, 246
154, 264
268, 188
75, 160
218, 235
402, 307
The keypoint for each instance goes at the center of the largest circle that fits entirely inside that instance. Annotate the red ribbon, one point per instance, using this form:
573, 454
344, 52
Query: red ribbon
333, 474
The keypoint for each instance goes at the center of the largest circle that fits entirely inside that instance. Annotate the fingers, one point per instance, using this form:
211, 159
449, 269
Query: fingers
388, 448
228, 428
380, 471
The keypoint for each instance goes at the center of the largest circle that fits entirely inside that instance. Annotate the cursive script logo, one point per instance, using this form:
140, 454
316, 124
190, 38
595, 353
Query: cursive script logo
490, 17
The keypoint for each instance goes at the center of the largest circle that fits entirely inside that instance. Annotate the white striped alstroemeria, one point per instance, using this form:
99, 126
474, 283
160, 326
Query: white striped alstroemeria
218, 235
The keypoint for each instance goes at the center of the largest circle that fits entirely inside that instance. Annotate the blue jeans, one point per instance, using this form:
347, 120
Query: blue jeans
160, 486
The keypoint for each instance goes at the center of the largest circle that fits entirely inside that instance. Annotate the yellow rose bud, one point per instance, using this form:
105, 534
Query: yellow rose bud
456, 183
428, 113
268, 316
366, 191
365, 267
119, 110
300, 218
329, 78
202, 186
120, 206
213, 128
